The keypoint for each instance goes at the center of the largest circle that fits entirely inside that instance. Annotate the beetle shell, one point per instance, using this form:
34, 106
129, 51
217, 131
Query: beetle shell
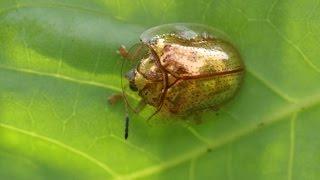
187, 67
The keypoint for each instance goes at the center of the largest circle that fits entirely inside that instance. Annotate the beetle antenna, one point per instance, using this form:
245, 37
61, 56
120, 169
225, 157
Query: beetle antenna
156, 112
126, 104
126, 130
127, 119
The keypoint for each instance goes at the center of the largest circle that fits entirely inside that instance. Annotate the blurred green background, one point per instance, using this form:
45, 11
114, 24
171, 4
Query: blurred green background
58, 66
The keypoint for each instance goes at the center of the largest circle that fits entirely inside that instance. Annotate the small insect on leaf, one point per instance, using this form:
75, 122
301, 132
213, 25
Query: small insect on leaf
179, 70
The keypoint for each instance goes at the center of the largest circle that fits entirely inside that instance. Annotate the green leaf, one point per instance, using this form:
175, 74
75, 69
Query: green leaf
58, 65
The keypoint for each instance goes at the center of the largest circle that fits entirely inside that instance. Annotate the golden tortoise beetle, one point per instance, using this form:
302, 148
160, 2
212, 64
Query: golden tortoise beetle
182, 68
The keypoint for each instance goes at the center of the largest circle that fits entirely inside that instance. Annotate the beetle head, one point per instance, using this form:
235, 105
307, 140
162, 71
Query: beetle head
130, 75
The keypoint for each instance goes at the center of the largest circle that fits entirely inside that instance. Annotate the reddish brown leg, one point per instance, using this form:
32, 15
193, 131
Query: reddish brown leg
123, 51
115, 98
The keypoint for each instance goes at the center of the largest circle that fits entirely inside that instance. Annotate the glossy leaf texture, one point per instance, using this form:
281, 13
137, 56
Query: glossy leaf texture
58, 65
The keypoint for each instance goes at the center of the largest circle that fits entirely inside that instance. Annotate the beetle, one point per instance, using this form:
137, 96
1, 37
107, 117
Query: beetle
182, 68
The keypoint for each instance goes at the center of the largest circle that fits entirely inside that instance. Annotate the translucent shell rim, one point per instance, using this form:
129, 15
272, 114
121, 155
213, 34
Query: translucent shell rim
182, 30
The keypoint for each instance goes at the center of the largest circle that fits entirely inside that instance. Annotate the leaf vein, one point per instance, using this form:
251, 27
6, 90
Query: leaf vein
297, 48
61, 145
272, 87
197, 135
62, 77
292, 145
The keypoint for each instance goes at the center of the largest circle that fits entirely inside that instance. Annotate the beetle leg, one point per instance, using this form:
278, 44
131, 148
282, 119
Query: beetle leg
197, 118
123, 51
215, 108
142, 104
115, 98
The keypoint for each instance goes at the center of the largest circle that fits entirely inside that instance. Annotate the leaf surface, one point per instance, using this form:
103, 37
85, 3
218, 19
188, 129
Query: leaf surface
58, 65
